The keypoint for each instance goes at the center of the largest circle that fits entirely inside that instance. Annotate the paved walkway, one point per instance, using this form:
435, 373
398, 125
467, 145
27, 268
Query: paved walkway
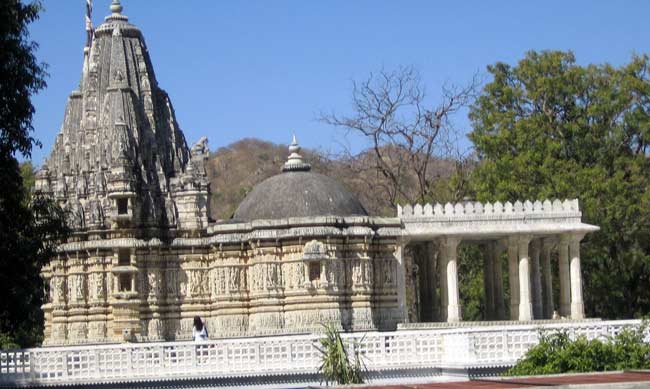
537, 381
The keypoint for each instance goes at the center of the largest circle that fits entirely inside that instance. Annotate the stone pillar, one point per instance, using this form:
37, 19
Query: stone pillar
442, 277
565, 281
401, 282
513, 277
500, 309
536, 279
577, 306
547, 290
450, 245
488, 281
525, 304
433, 270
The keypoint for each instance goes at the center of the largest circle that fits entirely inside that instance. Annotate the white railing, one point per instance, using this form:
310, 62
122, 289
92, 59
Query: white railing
470, 347
476, 209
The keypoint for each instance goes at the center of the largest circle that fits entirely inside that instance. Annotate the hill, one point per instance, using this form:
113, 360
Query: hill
235, 169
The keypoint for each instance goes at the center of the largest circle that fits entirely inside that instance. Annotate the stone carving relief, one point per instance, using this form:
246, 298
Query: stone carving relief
182, 283
96, 287
335, 273
293, 275
154, 282
196, 283
217, 282
155, 329
59, 332
76, 288
57, 289
235, 279
273, 276
97, 330
171, 281
314, 250
77, 330
256, 278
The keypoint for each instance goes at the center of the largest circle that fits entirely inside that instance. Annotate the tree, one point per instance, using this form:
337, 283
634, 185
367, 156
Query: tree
549, 128
30, 226
407, 137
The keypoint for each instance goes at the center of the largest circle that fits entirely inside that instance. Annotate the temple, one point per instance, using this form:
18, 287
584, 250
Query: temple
300, 251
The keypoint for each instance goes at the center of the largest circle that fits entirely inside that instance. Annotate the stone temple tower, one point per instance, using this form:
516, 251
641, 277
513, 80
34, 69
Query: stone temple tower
120, 159
122, 169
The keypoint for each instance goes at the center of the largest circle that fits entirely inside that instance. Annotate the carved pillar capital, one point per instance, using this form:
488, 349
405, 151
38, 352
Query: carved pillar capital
449, 242
523, 241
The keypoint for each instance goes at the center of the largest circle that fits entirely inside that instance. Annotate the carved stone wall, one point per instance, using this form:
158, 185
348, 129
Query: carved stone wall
111, 290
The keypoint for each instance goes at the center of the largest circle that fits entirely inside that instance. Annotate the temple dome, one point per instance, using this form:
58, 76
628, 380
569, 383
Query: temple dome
297, 192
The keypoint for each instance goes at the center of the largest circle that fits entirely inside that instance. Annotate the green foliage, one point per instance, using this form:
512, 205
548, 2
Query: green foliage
549, 128
21, 75
470, 280
335, 362
28, 174
29, 226
557, 353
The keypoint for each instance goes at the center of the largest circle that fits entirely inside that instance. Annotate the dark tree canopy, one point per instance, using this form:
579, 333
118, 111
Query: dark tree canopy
549, 128
29, 226
21, 75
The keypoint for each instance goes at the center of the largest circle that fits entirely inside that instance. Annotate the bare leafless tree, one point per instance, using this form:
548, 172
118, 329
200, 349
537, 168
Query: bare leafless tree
405, 134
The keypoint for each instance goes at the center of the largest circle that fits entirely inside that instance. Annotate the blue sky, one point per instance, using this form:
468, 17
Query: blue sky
266, 69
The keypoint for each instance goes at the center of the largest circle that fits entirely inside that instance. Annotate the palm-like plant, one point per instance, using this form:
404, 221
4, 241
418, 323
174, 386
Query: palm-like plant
335, 362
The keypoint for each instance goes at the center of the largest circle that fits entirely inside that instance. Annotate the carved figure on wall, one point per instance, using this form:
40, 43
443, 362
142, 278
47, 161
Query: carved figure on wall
171, 281
96, 286
154, 281
388, 273
96, 214
357, 272
182, 282
57, 289
233, 279
195, 282
272, 275
172, 213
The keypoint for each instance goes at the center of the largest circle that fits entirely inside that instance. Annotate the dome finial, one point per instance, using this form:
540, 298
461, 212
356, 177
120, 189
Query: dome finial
116, 13
116, 7
295, 162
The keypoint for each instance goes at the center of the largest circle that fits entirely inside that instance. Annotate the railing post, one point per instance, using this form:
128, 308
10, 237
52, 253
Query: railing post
506, 345
65, 364
129, 359
161, 357
32, 368
97, 364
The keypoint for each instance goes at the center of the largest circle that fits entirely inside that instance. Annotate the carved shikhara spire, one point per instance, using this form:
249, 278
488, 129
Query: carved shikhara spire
120, 142
295, 163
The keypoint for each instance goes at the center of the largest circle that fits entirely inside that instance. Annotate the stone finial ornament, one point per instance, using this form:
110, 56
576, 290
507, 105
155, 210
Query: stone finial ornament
116, 7
295, 163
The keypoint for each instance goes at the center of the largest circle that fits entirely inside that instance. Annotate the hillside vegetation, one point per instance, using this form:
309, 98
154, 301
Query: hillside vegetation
235, 169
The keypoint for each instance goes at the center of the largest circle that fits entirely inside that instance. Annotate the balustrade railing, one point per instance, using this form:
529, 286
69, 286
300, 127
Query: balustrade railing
569, 208
470, 347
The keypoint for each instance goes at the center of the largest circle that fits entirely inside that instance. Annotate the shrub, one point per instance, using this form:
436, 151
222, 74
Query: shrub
557, 353
335, 362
